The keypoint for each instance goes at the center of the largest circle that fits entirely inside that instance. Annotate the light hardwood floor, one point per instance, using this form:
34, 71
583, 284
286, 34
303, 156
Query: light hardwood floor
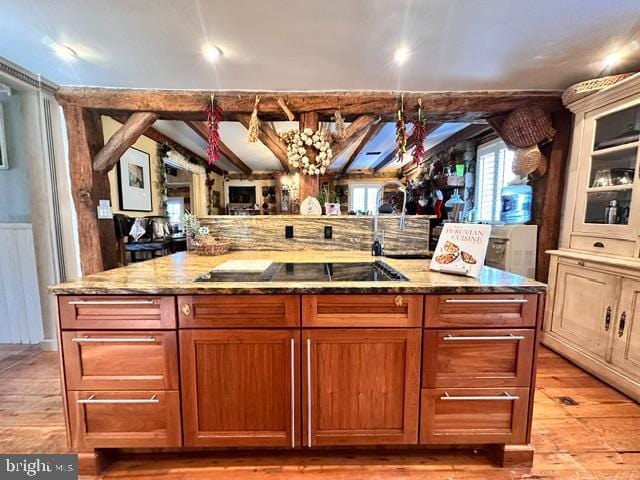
599, 438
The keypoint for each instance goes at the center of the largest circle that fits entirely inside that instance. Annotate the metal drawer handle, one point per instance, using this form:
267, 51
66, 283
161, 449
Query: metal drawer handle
607, 319
114, 339
504, 396
93, 400
452, 338
309, 392
497, 300
111, 302
598, 245
293, 393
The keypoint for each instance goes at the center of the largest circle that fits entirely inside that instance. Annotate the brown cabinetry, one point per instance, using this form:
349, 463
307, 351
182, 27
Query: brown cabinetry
118, 360
477, 358
480, 311
115, 419
474, 415
362, 310
361, 386
240, 387
108, 312
225, 311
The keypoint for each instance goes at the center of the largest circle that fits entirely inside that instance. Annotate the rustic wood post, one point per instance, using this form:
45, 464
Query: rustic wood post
309, 183
548, 192
97, 239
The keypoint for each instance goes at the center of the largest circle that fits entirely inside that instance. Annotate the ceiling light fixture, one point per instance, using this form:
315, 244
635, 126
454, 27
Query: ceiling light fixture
211, 52
401, 55
65, 52
612, 59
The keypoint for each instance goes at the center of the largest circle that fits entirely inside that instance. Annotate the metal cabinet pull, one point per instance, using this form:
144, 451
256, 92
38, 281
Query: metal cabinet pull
510, 337
93, 400
398, 300
309, 392
111, 302
482, 300
623, 320
504, 396
598, 245
114, 339
186, 309
293, 393
607, 319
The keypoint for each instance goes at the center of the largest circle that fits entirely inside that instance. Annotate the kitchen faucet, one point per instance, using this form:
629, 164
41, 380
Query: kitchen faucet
400, 187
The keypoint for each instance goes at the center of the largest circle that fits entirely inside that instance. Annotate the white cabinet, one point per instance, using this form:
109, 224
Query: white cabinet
584, 307
626, 345
593, 316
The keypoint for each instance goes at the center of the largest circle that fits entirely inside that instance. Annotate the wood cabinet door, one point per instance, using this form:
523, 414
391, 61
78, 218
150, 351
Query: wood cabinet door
584, 307
626, 344
239, 387
361, 386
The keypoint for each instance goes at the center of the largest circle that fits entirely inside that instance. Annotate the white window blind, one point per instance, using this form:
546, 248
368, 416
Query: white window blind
493, 172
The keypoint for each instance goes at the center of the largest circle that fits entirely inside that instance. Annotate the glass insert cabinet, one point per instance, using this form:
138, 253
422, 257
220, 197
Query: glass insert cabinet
608, 190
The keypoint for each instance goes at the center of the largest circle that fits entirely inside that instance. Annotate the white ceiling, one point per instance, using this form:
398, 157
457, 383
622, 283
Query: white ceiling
328, 44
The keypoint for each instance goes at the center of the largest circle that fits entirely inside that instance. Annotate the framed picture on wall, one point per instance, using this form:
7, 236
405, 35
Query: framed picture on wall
4, 159
134, 181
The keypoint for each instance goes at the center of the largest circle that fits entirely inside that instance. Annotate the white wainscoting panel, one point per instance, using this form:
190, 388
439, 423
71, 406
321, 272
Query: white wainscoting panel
20, 311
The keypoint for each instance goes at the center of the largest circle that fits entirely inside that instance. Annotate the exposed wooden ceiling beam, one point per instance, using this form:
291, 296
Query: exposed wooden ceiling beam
161, 138
201, 129
181, 104
370, 135
270, 138
353, 132
388, 158
122, 139
460, 136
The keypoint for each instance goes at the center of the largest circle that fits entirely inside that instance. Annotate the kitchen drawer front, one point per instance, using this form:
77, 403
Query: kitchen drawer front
362, 310
141, 418
481, 311
607, 246
116, 360
107, 312
474, 415
255, 311
477, 358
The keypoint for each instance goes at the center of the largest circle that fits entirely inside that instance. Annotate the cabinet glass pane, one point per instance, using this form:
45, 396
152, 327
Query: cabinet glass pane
599, 205
618, 128
613, 168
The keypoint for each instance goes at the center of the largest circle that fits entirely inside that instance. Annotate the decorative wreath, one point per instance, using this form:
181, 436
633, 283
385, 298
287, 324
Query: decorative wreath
298, 146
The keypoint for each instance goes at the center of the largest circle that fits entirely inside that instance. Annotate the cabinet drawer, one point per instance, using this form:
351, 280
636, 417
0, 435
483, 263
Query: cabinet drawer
210, 311
607, 246
116, 312
503, 310
124, 419
474, 415
362, 310
98, 360
477, 358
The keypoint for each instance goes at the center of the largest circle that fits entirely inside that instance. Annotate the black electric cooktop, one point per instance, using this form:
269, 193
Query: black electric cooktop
312, 272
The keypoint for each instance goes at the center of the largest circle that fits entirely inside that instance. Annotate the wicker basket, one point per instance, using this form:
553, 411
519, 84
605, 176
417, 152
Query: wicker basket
527, 126
209, 245
583, 89
526, 160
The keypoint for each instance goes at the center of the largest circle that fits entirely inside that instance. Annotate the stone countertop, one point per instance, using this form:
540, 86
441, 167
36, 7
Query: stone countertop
175, 274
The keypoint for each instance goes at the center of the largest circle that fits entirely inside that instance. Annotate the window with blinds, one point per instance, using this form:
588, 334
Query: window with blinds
493, 172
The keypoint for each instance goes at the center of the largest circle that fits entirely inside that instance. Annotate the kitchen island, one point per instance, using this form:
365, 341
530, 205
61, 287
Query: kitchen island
153, 359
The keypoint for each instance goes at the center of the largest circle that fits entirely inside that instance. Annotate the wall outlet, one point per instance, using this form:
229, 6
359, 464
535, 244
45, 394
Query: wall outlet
288, 231
104, 209
328, 232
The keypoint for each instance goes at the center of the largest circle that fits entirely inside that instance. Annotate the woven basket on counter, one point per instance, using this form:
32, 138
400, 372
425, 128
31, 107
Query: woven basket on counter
209, 245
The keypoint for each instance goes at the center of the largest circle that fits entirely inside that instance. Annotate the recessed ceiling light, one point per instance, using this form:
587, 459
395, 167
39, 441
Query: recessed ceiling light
65, 52
401, 55
211, 52
612, 59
